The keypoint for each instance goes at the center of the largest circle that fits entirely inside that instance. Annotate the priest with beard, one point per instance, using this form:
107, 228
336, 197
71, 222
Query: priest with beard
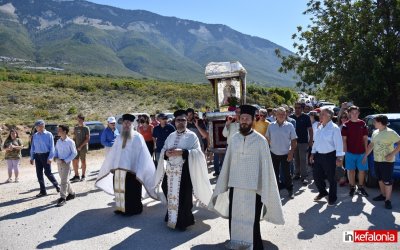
128, 170
181, 174
246, 190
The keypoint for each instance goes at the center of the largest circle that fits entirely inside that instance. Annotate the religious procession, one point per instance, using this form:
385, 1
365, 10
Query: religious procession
257, 155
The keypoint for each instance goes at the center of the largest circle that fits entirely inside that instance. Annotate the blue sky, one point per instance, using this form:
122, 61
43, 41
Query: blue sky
275, 20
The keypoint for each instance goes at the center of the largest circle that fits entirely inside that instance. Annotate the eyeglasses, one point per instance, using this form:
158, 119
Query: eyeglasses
180, 120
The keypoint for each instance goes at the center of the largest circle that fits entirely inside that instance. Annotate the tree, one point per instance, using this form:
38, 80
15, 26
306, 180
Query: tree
353, 48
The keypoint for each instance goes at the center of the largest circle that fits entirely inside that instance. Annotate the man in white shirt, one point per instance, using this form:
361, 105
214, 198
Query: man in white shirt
326, 154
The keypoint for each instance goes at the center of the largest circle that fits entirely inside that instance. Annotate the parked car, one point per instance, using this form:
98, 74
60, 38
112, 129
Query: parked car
51, 127
96, 128
394, 123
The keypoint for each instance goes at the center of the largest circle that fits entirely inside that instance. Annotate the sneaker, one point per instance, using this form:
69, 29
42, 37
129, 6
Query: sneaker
388, 204
291, 195
41, 195
8, 180
319, 197
304, 182
16, 180
215, 174
379, 198
74, 179
61, 202
352, 191
362, 192
82, 178
70, 197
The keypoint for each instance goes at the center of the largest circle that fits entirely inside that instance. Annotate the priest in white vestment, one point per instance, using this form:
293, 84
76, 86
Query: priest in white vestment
181, 174
246, 190
128, 170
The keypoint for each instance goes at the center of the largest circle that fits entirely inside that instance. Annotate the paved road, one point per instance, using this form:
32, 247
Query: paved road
88, 222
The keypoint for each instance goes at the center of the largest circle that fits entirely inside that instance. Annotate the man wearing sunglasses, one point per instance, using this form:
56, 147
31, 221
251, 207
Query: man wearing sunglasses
109, 134
160, 133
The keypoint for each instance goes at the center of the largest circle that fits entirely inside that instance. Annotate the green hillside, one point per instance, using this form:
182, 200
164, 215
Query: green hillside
81, 36
58, 97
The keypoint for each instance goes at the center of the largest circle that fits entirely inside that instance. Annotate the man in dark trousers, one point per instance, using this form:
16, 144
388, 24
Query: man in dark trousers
42, 153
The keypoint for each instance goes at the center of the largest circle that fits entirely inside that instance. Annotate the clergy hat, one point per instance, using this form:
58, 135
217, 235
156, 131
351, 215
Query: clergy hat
248, 109
128, 117
180, 112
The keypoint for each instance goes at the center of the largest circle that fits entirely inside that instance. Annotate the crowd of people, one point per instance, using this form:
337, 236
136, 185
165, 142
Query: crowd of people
267, 150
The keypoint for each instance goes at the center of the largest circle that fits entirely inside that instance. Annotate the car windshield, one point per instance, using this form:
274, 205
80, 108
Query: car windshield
96, 127
52, 129
395, 125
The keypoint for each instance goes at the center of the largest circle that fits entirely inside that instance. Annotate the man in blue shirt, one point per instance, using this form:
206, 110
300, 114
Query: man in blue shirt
42, 153
160, 133
109, 134
64, 154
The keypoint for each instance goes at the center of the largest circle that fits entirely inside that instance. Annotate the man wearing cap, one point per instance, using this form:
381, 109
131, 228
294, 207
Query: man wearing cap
42, 153
246, 184
127, 169
160, 133
182, 173
109, 134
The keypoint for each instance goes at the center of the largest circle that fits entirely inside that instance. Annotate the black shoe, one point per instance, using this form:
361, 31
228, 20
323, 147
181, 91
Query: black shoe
215, 174
331, 203
388, 204
83, 178
41, 195
379, 198
118, 212
304, 182
58, 189
352, 191
296, 177
319, 197
74, 179
362, 192
70, 197
291, 195
61, 202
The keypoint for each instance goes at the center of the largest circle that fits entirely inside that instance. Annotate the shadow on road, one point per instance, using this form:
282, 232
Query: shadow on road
267, 245
381, 218
27, 212
317, 222
75, 230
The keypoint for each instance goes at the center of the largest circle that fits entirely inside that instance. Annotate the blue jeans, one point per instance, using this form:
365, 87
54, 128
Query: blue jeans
41, 164
218, 161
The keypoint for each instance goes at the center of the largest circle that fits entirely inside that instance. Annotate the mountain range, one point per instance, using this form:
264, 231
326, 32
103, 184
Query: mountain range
81, 36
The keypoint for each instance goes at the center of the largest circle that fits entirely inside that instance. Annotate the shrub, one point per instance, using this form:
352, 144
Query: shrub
72, 110
180, 103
